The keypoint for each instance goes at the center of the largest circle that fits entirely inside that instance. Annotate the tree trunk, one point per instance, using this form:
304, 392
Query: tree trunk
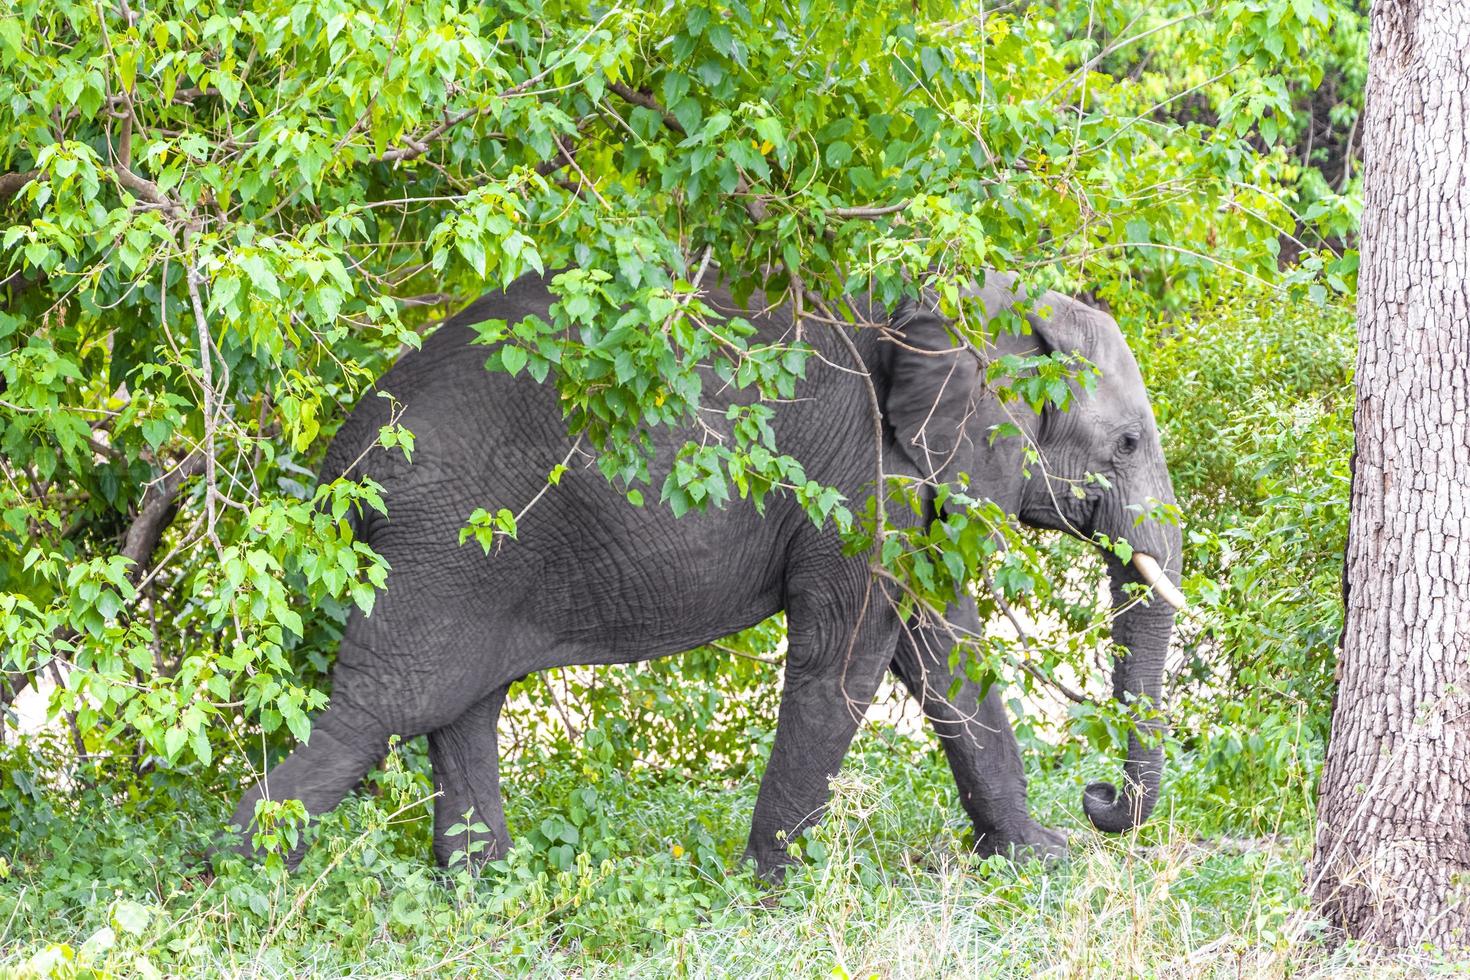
1392, 861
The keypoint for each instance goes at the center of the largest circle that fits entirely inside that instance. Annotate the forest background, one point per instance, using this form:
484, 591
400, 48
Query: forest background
300, 190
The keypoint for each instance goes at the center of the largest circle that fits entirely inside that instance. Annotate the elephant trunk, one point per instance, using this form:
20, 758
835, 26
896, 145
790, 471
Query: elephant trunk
1142, 633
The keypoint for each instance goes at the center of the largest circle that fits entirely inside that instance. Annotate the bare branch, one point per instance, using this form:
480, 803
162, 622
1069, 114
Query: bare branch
78, 743
1081, 73
573, 733
645, 99
549, 483
183, 96
146, 189
425, 299
1025, 639
726, 648
418, 146
103, 449
566, 154
193, 277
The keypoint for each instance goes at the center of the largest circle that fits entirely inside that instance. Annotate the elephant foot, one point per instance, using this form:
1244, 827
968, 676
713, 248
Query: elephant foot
770, 866
1028, 842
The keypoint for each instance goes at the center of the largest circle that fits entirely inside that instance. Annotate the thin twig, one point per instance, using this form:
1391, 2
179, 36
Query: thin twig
1092, 62
1025, 638
418, 146
567, 155
566, 718
542, 492
192, 277
311, 889
71, 715
724, 648
155, 510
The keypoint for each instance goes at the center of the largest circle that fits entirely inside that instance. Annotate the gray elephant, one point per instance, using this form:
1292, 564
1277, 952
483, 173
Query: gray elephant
593, 580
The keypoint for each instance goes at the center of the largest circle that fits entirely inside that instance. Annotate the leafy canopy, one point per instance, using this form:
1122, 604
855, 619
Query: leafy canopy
223, 224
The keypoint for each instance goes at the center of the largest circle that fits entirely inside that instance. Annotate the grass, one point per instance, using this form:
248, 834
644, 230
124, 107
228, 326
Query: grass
652, 888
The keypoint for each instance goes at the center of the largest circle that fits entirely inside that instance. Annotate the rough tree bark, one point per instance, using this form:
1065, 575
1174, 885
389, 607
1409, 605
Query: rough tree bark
1392, 861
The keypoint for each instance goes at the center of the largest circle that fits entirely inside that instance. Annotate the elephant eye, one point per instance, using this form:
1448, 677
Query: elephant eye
1129, 443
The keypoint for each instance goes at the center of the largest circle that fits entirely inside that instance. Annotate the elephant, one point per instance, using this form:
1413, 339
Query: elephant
591, 579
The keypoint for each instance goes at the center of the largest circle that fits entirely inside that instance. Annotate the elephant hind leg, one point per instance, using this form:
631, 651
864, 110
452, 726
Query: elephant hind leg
466, 757
345, 744
837, 652
396, 674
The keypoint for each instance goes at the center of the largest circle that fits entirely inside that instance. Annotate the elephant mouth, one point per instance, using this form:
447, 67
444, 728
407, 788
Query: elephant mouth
1148, 567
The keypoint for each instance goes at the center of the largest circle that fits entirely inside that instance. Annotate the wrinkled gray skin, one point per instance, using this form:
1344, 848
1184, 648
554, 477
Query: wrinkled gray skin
593, 580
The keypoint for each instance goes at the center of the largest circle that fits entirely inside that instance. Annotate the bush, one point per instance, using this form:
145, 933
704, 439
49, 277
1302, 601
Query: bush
1255, 401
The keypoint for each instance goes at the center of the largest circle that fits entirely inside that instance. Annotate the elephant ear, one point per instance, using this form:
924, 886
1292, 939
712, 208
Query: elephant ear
933, 386
1056, 323
1061, 323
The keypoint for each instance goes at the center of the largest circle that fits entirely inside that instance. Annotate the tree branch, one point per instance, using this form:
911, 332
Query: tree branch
645, 99
13, 184
566, 154
147, 190
755, 204
78, 743
1025, 638
726, 648
155, 512
425, 299
869, 212
193, 276
418, 146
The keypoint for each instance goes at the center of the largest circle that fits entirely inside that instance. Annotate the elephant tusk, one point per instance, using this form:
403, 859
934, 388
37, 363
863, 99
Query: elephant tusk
1152, 574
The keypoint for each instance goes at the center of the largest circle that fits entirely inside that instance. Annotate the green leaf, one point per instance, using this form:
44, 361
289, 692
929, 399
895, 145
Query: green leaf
129, 917
174, 740
512, 358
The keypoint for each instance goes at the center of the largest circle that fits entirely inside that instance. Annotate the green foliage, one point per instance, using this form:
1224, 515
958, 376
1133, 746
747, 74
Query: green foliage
1303, 115
224, 224
629, 871
699, 716
1041, 381
485, 527
221, 225
1256, 402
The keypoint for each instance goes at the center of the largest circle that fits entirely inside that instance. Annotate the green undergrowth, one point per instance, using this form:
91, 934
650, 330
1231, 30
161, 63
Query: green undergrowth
650, 883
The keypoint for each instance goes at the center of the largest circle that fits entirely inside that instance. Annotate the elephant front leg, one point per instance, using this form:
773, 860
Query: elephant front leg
832, 673
466, 758
978, 741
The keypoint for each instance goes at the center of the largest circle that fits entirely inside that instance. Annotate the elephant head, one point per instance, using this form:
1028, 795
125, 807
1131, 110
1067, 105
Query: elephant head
944, 417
